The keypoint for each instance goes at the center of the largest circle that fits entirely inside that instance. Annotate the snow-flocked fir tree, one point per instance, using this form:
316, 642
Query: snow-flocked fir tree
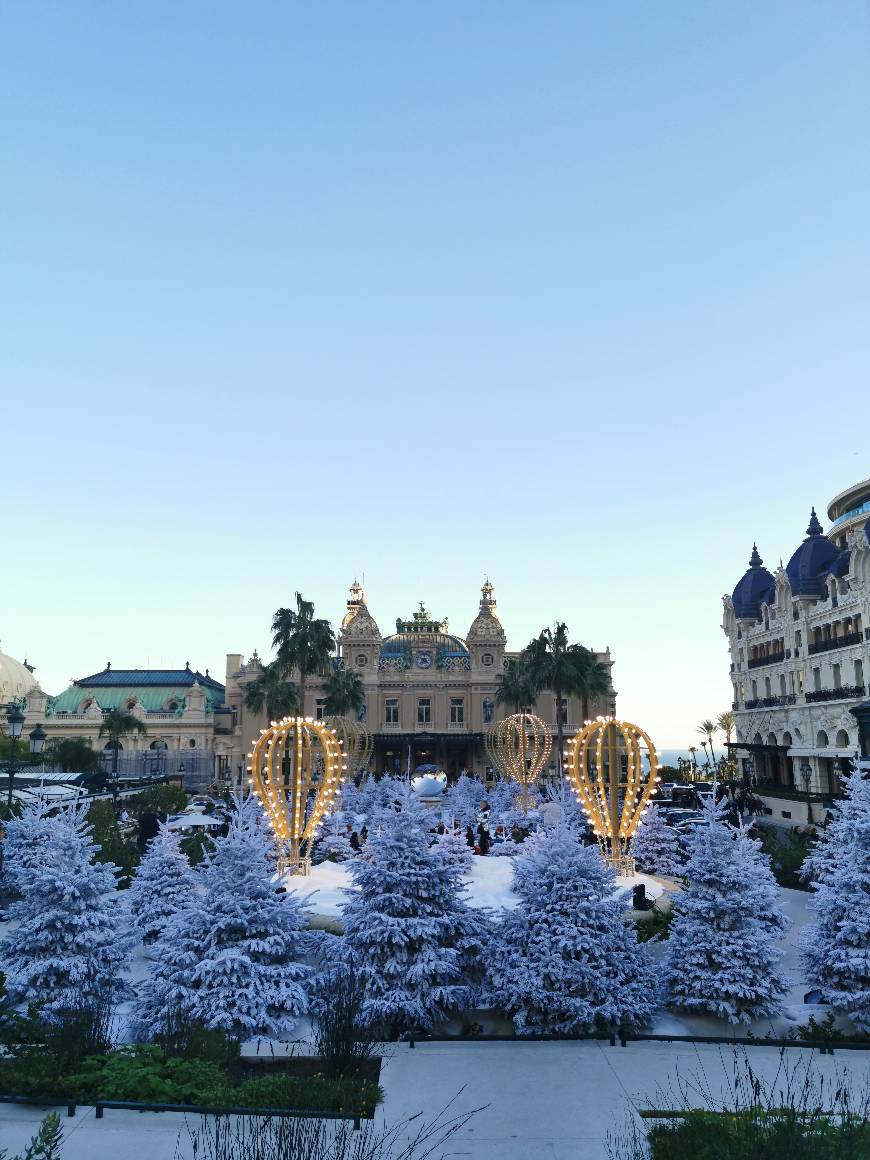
230, 960
835, 949
564, 962
71, 943
455, 848
462, 799
656, 846
408, 931
162, 886
724, 950
23, 841
334, 843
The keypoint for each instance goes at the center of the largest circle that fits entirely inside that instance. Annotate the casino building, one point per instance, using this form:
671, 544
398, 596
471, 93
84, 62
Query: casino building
430, 694
799, 639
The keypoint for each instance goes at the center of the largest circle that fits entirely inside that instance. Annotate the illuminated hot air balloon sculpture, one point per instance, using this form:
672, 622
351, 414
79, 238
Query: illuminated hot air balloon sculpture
612, 768
521, 746
356, 743
296, 770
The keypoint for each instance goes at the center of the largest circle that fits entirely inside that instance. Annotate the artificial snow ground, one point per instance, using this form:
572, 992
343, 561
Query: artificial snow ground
488, 882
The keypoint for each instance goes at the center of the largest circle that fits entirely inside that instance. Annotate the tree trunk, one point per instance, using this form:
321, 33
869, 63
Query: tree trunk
560, 731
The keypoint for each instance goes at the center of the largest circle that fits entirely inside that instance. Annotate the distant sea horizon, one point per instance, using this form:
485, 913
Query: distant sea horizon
669, 756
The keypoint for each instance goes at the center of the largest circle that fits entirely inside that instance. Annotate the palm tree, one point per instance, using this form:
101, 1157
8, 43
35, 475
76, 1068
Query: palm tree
566, 669
344, 692
516, 686
302, 643
726, 723
273, 692
115, 725
708, 729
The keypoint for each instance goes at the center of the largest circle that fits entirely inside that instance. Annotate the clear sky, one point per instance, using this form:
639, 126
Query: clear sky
572, 294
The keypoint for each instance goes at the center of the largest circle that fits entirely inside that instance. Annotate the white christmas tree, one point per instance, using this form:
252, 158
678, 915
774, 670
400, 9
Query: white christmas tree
230, 960
463, 798
162, 885
724, 950
334, 843
408, 930
23, 841
71, 941
455, 848
656, 847
835, 949
564, 961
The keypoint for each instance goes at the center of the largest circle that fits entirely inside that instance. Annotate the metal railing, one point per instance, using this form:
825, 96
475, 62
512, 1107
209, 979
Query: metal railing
844, 693
768, 659
844, 641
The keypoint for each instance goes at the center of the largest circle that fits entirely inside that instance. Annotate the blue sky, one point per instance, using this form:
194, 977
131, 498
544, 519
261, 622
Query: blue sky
574, 295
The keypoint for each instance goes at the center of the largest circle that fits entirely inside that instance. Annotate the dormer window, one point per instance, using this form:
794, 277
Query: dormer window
172, 707
487, 659
130, 706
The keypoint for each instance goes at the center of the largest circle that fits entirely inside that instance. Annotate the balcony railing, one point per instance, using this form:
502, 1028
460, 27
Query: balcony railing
844, 693
835, 642
769, 659
771, 702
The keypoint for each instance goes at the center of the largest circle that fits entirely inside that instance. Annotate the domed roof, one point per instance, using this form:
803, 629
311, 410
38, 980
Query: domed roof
809, 566
486, 627
756, 588
443, 642
16, 679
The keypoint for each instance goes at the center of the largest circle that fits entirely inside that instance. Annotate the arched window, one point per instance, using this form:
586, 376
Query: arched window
756, 740
130, 706
172, 706
786, 738
192, 743
821, 739
86, 704
842, 739
771, 739
158, 745
110, 746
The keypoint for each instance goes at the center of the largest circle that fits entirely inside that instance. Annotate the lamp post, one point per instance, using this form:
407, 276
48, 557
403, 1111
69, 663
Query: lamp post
806, 774
14, 723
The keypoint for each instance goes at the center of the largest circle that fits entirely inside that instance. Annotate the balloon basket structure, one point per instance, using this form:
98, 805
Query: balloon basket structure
289, 865
622, 864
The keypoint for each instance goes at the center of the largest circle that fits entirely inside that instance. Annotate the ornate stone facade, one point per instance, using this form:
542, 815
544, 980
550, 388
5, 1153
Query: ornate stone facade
800, 657
430, 695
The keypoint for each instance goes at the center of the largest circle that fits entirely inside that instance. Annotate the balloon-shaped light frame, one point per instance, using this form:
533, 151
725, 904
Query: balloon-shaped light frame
290, 759
356, 742
521, 745
605, 768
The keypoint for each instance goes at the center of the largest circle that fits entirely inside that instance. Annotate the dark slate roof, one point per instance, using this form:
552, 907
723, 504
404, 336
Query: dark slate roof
755, 588
809, 566
148, 678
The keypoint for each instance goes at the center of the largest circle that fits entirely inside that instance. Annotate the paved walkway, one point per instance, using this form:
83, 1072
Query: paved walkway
545, 1101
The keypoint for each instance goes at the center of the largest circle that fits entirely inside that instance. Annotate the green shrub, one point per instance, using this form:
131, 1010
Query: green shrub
765, 1136
658, 927
146, 1074
787, 852
168, 799
311, 1093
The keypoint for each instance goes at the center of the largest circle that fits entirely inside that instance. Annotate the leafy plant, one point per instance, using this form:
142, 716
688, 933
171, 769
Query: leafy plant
657, 928
167, 799
45, 1145
113, 846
